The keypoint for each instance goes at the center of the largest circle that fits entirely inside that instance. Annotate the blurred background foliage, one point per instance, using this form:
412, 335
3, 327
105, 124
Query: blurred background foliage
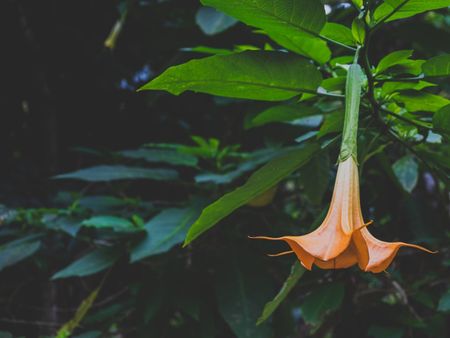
99, 185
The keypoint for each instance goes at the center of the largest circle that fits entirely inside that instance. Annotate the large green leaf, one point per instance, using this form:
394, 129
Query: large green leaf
13, 252
437, 66
339, 33
94, 262
400, 9
441, 120
313, 48
212, 22
242, 286
297, 272
271, 76
420, 101
299, 20
282, 113
119, 172
321, 301
390, 87
407, 171
393, 59
164, 231
262, 180
161, 156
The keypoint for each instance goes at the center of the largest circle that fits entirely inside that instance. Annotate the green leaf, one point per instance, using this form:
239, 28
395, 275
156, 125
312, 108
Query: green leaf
94, 262
297, 20
106, 173
117, 223
393, 59
358, 30
437, 66
390, 87
241, 288
313, 48
441, 120
322, 301
406, 8
315, 177
297, 272
164, 231
13, 252
420, 101
258, 158
282, 113
339, 33
89, 334
376, 331
212, 22
271, 76
333, 123
444, 302
407, 171
161, 156
263, 179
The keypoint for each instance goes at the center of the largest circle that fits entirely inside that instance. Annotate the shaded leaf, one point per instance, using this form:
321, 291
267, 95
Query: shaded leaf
104, 173
213, 22
13, 252
241, 288
271, 76
282, 113
333, 123
117, 223
297, 272
437, 66
94, 262
406, 170
263, 179
258, 158
376, 331
322, 301
164, 231
315, 177
444, 302
161, 156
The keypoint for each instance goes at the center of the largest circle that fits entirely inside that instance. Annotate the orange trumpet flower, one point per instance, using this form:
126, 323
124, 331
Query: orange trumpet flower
342, 240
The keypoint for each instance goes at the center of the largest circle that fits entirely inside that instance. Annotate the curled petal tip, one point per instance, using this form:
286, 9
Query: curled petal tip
281, 253
265, 237
420, 248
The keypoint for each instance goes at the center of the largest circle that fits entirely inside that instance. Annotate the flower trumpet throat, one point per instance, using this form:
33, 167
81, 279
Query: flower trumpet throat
343, 240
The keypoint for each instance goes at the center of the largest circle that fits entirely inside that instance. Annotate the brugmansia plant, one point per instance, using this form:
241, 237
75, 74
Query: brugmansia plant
299, 71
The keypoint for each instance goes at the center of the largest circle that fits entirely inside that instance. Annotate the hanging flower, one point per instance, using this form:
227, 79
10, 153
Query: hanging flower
334, 235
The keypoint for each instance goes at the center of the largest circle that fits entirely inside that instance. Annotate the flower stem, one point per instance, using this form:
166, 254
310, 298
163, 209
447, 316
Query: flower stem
352, 102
